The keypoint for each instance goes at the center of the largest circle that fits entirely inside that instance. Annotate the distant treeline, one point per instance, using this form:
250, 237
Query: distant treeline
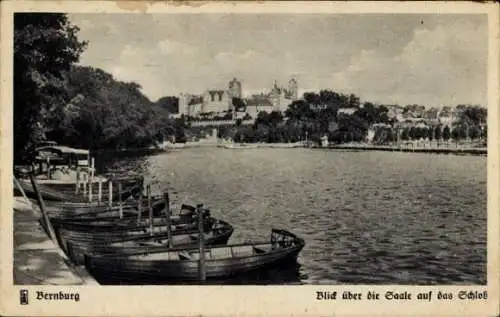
342, 118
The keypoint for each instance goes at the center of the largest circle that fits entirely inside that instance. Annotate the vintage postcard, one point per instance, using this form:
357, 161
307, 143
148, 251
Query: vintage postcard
249, 158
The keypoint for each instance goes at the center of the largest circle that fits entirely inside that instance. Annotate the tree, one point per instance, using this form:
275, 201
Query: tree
45, 45
438, 132
463, 131
169, 103
413, 133
405, 134
455, 133
446, 133
180, 127
299, 110
110, 114
312, 98
474, 132
238, 104
275, 118
472, 114
353, 101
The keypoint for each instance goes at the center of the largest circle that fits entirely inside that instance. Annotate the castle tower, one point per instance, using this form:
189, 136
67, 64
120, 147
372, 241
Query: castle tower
293, 88
183, 104
235, 88
275, 96
233, 91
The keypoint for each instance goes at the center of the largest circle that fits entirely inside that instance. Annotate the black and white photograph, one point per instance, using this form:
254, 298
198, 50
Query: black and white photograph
249, 148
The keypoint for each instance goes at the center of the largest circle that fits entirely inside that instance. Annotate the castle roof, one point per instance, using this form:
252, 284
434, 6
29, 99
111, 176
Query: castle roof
259, 101
216, 91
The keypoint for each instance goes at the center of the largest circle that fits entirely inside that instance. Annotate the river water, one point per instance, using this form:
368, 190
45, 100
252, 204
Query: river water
366, 217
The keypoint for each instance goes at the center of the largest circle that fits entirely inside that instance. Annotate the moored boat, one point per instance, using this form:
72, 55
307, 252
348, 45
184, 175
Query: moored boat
67, 174
218, 234
89, 212
111, 221
51, 194
87, 234
219, 261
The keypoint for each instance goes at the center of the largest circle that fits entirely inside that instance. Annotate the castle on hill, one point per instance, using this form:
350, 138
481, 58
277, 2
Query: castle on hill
218, 101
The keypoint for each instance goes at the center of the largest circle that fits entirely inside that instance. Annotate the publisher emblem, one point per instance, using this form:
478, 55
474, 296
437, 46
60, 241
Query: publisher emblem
23, 296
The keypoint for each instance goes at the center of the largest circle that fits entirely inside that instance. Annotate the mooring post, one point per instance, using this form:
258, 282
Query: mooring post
169, 220
201, 243
99, 193
77, 187
120, 206
91, 183
110, 193
150, 209
85, 181
139, 207
90, 188
48, 168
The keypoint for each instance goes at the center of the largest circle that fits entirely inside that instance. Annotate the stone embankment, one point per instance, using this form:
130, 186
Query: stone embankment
37, 259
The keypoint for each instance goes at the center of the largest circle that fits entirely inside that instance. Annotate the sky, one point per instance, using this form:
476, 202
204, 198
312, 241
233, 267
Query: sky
428, 59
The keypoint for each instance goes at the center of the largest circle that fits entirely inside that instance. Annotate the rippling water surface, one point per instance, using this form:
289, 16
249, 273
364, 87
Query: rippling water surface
366, 217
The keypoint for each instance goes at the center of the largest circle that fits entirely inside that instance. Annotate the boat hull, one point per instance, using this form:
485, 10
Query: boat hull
81, 213
87, 236
221, 262
77, 251
51, 194
123, 269
116, 224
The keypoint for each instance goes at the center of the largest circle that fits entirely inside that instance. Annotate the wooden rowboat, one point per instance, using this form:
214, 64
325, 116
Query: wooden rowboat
70, 187
51, 194
88, 235
113, 222
129, 211
220, 261
219, 234
93, 212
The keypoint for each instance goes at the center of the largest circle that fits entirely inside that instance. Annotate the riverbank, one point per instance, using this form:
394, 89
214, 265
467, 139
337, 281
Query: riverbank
130, 151
413, 149
237, 145
459, 150
37, 259
417, 147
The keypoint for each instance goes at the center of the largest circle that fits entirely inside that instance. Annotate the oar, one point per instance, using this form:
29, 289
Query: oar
201, 240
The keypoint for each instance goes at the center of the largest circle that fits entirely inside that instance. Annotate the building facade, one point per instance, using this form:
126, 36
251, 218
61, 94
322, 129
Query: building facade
218, 101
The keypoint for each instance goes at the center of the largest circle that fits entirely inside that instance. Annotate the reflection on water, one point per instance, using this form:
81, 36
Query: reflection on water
366, 217
289, 274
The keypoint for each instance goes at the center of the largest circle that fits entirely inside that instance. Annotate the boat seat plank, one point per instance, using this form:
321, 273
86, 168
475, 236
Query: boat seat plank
221, 253
258, 250
196, 256
185, 256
